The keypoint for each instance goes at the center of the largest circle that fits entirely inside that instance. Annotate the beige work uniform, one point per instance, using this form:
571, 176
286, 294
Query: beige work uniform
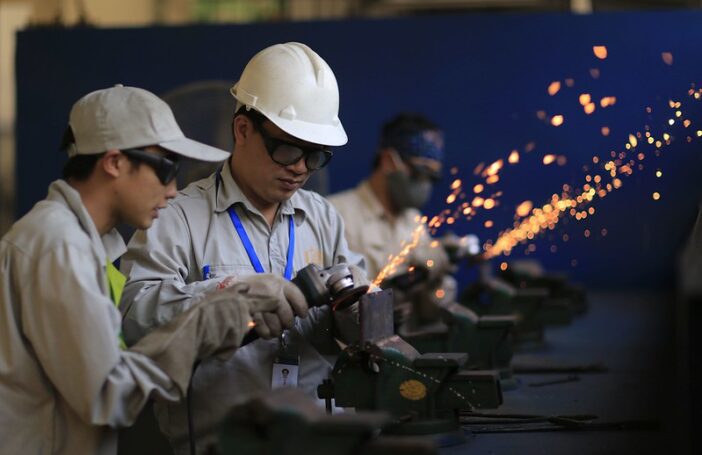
65, 385
165, 273
369, 230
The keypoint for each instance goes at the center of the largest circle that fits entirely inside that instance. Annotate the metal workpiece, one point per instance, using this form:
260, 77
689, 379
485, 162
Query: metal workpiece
376, 316
423, 392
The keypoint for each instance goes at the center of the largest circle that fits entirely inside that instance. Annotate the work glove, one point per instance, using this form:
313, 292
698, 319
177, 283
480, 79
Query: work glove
215, 325
289, 302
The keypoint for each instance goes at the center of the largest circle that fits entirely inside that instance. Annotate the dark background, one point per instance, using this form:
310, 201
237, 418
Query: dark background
482, 77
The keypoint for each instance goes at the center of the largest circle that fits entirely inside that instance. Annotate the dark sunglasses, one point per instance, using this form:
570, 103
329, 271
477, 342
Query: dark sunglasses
287, 153
419, 172
165, 168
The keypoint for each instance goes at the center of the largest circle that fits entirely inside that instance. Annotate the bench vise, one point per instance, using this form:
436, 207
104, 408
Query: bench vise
423, 392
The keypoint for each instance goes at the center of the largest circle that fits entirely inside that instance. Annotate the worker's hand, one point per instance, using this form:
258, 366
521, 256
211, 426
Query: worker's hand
214, 326
289, 302
228, 281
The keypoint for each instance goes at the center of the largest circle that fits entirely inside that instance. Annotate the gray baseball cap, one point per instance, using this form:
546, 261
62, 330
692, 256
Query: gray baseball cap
129, 117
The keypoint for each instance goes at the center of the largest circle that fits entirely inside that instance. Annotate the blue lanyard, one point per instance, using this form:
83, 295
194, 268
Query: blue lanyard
250, 249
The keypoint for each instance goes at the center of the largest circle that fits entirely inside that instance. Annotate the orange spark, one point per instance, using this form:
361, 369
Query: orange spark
589, 108
554, 87
494, 168
477, 189
513, 157
395, 261
608, 101
548, 159
632, 140
557, 120
524, 208
600, 52
605, 131
584, 99
492, 179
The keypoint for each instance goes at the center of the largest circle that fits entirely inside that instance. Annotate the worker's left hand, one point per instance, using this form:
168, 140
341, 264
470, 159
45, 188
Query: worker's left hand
290, 302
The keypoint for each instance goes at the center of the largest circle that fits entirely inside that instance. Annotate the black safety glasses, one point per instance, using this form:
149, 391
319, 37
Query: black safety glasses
165, 168
286, 153
420, 172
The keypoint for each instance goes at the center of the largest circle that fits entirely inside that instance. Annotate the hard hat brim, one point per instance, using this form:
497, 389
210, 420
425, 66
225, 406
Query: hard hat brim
330, 135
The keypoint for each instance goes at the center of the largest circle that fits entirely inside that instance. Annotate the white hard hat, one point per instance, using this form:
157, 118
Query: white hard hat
296, 90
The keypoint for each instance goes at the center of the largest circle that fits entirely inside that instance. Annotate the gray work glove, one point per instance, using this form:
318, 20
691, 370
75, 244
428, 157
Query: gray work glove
290, 302
216, 325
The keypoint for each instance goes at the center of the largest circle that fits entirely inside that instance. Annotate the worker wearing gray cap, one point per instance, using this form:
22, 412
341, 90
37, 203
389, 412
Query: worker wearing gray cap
251, 217
66, 379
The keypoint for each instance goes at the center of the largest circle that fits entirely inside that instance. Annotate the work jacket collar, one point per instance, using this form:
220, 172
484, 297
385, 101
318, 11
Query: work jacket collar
111, 245
229, 194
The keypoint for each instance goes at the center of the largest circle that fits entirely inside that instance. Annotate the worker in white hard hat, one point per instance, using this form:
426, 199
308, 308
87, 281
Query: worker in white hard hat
251, 217
67, 380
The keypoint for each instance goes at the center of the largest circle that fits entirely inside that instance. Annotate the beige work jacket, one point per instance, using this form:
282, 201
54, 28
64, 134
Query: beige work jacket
368, 228
65, 385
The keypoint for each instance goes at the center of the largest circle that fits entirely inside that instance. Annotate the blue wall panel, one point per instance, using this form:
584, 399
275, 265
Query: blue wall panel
483, 77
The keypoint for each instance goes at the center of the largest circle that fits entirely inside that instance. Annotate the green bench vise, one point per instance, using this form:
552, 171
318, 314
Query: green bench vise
529, 274
534, 307
436, 323
486, 339
424, 393
288, 422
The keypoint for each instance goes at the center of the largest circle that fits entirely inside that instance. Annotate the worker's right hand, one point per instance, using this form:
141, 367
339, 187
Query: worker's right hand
289, 302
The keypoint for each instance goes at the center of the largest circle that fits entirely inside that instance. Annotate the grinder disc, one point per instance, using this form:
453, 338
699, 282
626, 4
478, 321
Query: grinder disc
348, 297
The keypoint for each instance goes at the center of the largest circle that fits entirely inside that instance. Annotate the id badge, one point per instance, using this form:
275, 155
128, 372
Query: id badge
286, 367
285, 372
